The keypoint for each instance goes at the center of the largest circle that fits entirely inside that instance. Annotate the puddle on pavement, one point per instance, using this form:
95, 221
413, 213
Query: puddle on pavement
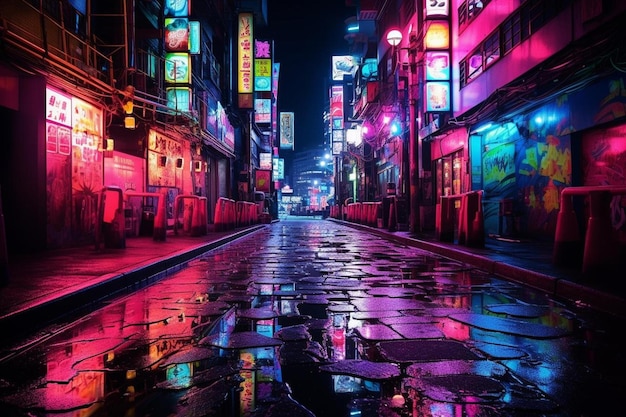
358, 327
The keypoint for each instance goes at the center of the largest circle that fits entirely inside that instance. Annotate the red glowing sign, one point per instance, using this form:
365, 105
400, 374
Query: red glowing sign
177, 34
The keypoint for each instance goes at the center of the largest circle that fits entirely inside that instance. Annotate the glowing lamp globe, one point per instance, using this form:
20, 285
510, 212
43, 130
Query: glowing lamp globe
394, 37
395, 128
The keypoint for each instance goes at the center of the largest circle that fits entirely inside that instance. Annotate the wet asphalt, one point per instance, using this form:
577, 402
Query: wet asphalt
311, 317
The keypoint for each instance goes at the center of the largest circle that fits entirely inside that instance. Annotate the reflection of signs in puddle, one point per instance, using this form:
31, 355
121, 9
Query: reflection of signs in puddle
509, 326
461, 388
519, 310
425, 350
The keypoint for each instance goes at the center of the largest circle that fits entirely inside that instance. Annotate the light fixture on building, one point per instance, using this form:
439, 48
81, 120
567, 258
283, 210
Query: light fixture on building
128, 106
394, 37
129, 122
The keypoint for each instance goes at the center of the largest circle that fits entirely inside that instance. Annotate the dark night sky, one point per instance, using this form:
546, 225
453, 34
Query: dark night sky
306, 35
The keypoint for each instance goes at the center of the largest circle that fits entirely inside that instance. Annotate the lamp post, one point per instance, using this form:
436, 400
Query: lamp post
328, 168
394, 38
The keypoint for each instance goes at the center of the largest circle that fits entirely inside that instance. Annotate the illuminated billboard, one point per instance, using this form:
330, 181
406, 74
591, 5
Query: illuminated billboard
177, 34
437, 65
437, 96
177, 68
262, 65
437, 68
179, 98
342, 65
437, 8
262, 110
176, 8
336, 106
245, 53
286, 130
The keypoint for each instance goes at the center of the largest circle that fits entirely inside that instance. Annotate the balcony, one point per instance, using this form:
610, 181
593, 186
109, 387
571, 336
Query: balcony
45, 44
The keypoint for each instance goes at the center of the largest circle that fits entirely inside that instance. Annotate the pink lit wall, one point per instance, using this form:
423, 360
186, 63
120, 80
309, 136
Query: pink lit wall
548, 41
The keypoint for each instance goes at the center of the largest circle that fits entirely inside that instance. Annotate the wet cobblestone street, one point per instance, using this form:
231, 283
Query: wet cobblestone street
312, 317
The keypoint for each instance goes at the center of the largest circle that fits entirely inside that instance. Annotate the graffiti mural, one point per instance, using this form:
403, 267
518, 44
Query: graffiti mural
526, 161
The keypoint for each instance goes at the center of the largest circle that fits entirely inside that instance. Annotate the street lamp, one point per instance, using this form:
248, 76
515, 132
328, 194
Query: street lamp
394, 39
328, 169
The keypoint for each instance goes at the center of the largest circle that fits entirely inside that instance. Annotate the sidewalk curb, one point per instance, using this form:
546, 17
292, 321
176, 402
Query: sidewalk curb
556, 287
108, 286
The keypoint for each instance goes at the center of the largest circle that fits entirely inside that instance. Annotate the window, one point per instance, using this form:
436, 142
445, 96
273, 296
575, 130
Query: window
511, 33
475, 65
492, 48
520, 25
468, 10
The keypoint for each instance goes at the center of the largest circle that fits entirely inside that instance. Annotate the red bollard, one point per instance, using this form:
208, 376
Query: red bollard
232, 214
4, 257
567, 239
393, 221
476, 233
463, 220
445, 219
196, 221
471, 228
601, 246
217, 218
160, 218
203, 215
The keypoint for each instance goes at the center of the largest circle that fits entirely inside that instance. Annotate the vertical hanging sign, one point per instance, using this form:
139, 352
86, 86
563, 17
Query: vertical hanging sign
437, 91
177, 54
262, 65
245, 85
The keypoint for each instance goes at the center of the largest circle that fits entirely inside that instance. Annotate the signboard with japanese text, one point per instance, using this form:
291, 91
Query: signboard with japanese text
437, 8
176, 34
263, 179
437, 68
262, 110
177, 43
177, 68
179, 98
336, 106
278, 168
262, 65
176, 8
265, 160
275, 72
58, 107
437, 35
286, 130
245, 53
437, 65
342, 65
437, 96
194, 37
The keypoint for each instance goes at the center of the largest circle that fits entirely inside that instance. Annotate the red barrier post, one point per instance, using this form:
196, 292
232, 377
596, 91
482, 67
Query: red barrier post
4, 254
196, 221
217, 217
472, 220
601, 247
160, 218
393, 218
567, 238
477, 236
463, 219
203, 215
444, 219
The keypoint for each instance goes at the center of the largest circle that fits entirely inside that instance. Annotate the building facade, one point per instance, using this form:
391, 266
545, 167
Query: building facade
516, 99
134, 96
